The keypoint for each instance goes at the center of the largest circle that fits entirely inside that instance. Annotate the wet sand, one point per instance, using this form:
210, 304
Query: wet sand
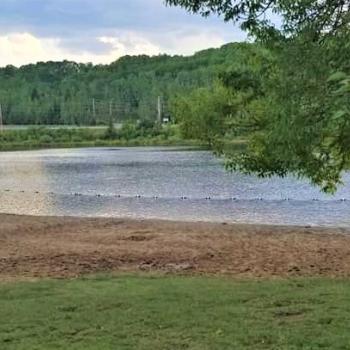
62, 247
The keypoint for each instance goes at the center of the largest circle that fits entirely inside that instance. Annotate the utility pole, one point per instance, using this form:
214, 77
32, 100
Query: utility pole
111, 121
93, 109
160, 112
1, 121
110, 108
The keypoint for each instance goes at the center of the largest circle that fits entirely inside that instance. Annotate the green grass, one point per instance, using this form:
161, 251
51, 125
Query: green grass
145, 312
44, 137
99, 143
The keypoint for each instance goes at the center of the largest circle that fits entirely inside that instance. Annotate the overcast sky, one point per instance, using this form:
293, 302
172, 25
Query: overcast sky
100, 31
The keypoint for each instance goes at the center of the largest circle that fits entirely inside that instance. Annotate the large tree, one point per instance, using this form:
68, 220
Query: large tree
298, 120
323, 15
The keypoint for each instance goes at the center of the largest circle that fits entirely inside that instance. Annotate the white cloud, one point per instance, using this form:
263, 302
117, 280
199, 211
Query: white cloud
23, 48
129, 44
100, 31
192, 41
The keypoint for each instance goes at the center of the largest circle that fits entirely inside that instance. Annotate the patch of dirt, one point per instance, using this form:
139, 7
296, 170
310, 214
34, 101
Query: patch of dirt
35, 247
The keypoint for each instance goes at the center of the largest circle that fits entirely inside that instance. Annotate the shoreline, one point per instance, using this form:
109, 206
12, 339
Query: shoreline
68, 247
273, 228
21, 147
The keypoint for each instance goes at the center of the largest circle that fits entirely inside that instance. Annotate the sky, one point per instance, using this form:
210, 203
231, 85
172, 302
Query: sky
101, 31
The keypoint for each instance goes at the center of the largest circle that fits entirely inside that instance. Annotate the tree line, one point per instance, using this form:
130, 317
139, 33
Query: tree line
128, 89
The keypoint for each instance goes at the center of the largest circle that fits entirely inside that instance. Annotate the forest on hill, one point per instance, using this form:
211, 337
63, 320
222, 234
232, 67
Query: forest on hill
127, 89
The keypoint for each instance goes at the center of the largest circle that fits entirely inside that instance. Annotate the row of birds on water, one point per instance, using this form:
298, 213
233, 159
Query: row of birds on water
76, 194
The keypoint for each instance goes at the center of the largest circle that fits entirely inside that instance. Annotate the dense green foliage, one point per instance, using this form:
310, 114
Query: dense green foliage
201, 114
292, 103
175, 313
83, 94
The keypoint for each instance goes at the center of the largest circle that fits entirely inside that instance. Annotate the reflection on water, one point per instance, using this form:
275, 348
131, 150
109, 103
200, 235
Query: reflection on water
13, 178
158, 183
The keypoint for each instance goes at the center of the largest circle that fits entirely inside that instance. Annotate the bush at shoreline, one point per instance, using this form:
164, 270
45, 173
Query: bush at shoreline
131, 134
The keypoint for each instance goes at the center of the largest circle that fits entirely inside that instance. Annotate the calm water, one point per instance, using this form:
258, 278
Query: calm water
164, 183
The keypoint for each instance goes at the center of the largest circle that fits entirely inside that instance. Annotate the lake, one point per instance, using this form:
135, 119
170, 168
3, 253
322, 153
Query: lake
159, 182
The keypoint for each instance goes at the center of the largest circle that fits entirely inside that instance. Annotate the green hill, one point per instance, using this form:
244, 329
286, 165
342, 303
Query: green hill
84, 94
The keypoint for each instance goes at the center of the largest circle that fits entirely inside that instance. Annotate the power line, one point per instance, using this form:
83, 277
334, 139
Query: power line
97, 109
1, 121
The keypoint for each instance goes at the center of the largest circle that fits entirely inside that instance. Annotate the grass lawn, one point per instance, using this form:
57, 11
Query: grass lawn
157, 312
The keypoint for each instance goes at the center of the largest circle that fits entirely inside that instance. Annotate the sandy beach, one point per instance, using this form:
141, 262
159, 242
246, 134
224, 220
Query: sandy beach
62, 247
